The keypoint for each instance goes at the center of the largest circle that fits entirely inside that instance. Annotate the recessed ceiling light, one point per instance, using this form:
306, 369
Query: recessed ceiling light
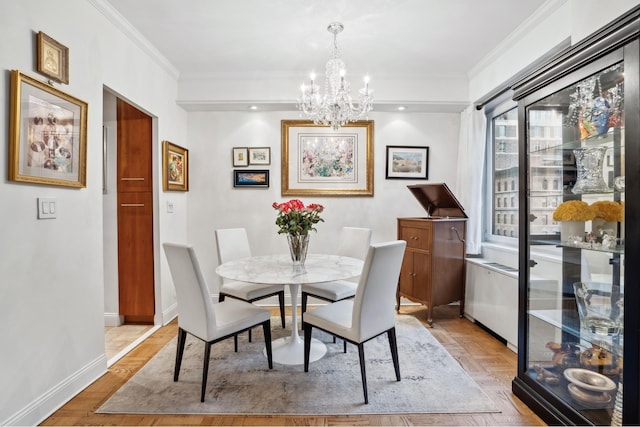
253, 107
402, 108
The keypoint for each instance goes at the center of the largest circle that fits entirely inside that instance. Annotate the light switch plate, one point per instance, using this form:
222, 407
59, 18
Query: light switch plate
169, 207
47, 207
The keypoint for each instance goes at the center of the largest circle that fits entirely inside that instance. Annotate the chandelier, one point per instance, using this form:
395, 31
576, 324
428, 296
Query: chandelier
335, 108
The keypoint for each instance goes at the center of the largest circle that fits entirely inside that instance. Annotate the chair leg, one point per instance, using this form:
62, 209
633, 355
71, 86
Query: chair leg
307, 344
363, 372
220, 297
266, 328
304, 301
281, 302
249, 335
182, 337
391, 333
205, 369
235, 342
344, 345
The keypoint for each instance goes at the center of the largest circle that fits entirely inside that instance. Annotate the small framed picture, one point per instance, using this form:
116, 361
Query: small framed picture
240, 157
52, 59
175, 165
251, 178
260, 156
405, 162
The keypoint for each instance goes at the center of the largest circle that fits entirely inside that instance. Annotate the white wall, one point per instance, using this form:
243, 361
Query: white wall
51, 291
215, 203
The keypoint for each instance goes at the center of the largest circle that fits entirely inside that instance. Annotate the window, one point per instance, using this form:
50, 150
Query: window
502, 167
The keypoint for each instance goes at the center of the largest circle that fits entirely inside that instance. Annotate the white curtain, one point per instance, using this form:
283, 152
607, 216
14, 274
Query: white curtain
471, 164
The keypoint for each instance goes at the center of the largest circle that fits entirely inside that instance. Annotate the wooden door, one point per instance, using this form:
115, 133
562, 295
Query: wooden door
135, 215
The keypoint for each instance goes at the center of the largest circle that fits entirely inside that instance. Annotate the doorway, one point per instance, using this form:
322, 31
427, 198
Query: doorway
129, 299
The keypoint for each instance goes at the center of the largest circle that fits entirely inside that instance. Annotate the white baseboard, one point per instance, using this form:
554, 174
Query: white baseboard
50, 401
113, 319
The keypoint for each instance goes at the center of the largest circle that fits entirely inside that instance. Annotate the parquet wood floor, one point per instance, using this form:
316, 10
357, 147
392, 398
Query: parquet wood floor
490, 363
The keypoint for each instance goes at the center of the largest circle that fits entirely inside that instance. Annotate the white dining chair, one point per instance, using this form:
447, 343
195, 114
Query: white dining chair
370, 314
233, 244
201, 318
354, 243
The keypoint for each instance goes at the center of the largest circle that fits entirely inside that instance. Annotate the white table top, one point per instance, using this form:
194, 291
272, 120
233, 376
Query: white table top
279, 269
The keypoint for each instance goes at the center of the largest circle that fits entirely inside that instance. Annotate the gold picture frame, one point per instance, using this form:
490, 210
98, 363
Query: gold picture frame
48, 134
318, 161
175, 167
52, 59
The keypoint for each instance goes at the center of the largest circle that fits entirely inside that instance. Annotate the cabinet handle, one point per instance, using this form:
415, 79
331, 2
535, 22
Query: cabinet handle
132, 179
132, 205
532, 263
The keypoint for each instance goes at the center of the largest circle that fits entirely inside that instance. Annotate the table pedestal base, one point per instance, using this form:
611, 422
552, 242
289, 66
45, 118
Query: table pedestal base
290, 350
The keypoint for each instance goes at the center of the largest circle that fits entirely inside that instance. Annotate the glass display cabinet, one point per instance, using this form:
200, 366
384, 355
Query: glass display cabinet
579, 130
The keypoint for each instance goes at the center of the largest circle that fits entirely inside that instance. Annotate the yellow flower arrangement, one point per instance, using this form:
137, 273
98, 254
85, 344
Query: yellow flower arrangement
608, 211
574, 210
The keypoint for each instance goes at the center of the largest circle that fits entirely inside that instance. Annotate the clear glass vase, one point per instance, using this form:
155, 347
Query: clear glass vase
298, 245
589, 167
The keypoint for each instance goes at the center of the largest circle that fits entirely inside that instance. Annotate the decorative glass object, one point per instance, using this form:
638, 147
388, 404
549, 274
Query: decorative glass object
589, 167
599, 315
298, 245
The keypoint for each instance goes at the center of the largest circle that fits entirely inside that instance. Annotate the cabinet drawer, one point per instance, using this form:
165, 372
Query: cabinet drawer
418, 238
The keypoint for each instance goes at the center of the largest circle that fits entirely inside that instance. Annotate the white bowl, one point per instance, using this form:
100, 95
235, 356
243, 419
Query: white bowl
593, 398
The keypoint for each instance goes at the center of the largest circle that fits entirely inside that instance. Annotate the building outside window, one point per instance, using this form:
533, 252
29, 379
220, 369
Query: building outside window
546, 169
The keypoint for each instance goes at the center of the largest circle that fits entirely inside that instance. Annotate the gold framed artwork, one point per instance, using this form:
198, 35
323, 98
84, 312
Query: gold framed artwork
318, 161
240, 156
52, 58
259, 155
175, 167
48, 134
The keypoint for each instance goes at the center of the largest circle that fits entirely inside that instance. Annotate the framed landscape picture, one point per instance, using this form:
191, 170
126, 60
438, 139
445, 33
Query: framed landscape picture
251, 178
259, 156
318, 161
48, 134
405, 162
175, 167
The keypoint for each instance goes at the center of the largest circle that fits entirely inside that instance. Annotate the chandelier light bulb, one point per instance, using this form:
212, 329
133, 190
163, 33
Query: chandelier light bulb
335, 107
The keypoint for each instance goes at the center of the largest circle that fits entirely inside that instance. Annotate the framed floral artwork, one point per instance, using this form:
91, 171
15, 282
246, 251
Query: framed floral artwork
251, 178
406, 162
48, 134
52, 58
318, 161
240, 156
259, 155
175, 167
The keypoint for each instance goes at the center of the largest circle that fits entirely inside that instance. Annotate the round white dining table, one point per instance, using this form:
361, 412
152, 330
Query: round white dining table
279, 269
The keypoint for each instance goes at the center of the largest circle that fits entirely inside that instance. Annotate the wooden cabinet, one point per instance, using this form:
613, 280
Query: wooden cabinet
433, 267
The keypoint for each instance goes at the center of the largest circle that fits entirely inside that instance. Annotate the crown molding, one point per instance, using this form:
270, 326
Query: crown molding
121, 23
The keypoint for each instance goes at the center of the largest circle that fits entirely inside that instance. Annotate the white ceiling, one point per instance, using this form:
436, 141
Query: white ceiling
288, 38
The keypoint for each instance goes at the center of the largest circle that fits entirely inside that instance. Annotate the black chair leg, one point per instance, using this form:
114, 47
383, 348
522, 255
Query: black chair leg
304, 301
235, 342
344, 344
363, 372
281, 302
220, 297
205, 369
391, 333
266, 328
182, 337
249, 335
307, 344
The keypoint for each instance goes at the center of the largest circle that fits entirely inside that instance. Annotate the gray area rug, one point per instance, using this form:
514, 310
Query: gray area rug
241, 383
